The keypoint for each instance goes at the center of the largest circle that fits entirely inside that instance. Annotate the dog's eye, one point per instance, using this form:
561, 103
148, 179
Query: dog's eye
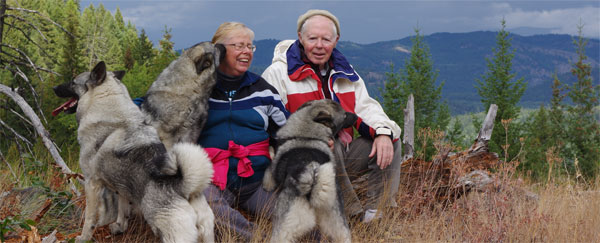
206, 64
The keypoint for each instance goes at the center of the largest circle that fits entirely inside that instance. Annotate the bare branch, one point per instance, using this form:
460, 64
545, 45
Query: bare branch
15, 133
41, 131
28, 23
32, 41
14, 57
20, 116
22, 54
39, 68
35, 94
41, 15
9, 167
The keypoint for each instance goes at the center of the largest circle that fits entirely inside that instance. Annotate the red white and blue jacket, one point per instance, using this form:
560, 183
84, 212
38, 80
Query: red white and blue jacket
297, 82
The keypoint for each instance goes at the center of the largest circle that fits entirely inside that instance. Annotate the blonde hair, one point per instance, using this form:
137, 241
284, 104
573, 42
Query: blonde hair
225, 29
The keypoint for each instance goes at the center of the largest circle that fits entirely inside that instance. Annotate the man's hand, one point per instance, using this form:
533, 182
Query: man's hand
383, 147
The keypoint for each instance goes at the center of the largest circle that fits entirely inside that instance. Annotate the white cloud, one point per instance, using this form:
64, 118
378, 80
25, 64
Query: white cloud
561, 21
159, 14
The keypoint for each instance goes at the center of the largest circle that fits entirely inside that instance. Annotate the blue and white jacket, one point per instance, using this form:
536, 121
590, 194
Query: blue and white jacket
246, 116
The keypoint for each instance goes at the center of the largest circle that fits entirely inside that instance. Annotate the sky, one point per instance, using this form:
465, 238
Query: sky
362, 21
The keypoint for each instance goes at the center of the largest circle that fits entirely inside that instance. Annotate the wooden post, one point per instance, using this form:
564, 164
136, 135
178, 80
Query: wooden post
485, 134
409, 129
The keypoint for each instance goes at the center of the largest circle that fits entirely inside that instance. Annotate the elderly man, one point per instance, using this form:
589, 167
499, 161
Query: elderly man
311, 68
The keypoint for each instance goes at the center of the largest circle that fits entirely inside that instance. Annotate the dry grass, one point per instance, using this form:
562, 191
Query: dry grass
562, 211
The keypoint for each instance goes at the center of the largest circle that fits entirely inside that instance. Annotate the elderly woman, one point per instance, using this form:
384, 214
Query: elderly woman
244, 111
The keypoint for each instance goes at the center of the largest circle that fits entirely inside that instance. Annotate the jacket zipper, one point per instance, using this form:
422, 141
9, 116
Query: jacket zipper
230, 96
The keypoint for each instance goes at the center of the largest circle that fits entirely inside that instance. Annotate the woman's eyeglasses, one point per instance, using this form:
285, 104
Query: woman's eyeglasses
240, 46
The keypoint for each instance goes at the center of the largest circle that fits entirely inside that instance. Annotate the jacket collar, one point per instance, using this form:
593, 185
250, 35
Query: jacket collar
248, 78
297, 65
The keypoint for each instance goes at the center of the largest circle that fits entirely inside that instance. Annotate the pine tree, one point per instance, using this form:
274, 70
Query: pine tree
455, 134
583, 128
143, 50
539, 137
497, 86
72, 62
391, 97
417, 78
166, 54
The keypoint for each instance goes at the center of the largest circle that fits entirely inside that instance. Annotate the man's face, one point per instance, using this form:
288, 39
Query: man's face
318, 39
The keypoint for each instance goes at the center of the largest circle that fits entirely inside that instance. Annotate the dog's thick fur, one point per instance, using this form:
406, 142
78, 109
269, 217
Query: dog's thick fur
119, 151
303, 172
177, 102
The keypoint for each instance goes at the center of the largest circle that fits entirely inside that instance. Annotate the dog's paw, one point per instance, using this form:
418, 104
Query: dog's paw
116, 228
81, 239
306, 179
268, 182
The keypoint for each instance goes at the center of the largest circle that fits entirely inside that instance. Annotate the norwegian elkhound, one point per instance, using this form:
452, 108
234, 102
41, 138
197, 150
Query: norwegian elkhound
121, 152
177, 102
303, 172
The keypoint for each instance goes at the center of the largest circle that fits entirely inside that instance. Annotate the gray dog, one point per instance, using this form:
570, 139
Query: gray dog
177, 102
303, 171
121, 152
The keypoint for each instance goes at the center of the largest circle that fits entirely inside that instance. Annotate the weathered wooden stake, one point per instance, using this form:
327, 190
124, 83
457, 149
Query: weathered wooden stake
409, 129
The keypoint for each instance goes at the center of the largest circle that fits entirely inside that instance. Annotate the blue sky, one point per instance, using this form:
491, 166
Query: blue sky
361, 21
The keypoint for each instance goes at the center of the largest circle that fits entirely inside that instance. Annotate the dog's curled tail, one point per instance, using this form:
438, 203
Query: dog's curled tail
196, 168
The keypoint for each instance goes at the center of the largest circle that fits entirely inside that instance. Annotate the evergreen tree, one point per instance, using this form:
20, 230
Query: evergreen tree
71, 62
557, 116
417, 78
166, 54
583, 128
497, 86
143, 50
391, 97
455, 134
539, 137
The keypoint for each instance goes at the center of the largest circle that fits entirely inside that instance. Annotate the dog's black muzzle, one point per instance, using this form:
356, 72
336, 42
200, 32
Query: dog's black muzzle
349, 120
64, 91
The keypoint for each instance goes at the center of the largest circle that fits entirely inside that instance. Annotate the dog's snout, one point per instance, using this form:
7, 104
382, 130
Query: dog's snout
350, 119
62, 91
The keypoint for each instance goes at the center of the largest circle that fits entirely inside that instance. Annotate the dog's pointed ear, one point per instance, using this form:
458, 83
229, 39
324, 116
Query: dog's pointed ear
222, 51
98, 74
325, 118
119, 74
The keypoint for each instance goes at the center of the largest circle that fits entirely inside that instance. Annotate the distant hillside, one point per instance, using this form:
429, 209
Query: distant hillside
460, 59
